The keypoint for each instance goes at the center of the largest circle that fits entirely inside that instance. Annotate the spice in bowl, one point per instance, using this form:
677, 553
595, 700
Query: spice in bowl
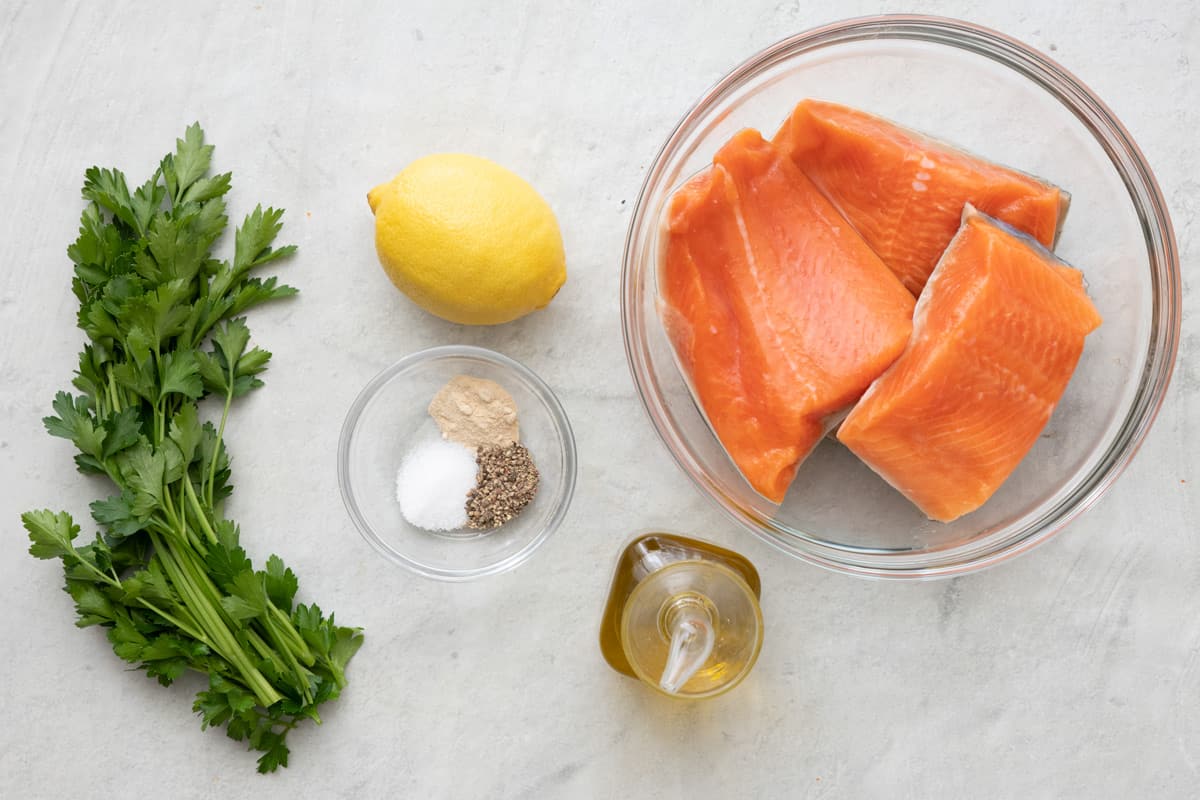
507, 482
433, 479
476, 412
477, 475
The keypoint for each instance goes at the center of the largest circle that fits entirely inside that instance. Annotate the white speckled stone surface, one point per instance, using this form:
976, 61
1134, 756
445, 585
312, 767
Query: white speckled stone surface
1071, 672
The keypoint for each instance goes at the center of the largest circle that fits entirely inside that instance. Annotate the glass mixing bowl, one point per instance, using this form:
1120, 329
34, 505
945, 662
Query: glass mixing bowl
390, 413
994, 96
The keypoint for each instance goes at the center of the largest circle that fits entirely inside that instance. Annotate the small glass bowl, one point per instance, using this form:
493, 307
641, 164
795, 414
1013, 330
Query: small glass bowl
384, 421
994, 96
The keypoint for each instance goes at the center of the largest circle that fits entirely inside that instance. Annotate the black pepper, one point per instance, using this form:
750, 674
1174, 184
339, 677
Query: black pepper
506, 483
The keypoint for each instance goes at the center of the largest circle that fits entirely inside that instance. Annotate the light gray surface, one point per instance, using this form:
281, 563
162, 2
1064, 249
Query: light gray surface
1073, 671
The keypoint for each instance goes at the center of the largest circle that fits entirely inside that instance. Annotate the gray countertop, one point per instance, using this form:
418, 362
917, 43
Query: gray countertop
1073, 671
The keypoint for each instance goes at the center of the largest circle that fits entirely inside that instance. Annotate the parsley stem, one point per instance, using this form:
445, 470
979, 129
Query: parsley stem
285, 724
301, 674
156, 407
172, 516
201, 516
258, 644
115, 581
183, 520
186, 531
114, 398
220, 445
211, 620
190, 630
289, 630
94, 569
212, 594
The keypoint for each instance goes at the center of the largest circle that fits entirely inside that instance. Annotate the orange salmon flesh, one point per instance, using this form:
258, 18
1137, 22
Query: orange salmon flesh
778, 311
997, 334
905, 192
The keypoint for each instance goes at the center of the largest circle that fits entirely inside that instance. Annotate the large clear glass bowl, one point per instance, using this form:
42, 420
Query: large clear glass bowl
999, 98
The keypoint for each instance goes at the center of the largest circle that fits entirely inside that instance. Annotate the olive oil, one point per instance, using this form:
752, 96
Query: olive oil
682, 616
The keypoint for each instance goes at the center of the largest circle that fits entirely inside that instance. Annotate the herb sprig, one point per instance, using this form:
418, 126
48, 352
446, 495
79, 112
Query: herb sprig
167, 576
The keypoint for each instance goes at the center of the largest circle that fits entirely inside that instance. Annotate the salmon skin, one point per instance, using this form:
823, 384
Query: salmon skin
904, 191
779, 313
998, 331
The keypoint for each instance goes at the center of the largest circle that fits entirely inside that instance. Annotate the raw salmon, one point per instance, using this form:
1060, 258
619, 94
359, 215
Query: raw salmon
904, 191
997, 333
779, 313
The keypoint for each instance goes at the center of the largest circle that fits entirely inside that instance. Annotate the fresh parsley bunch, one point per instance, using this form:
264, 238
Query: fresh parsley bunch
167, 577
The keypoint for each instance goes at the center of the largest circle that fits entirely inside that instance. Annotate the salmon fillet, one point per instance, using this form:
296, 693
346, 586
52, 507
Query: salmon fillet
905, 192
779, 313
997, 333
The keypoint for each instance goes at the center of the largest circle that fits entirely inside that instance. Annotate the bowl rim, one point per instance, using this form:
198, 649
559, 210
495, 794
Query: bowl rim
1166, 298
539, 387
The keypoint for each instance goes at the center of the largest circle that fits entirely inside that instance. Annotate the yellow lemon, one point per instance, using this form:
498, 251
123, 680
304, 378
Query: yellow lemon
467, 240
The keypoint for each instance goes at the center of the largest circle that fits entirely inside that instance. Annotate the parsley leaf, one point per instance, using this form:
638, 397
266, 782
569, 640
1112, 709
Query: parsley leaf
185, 431
106, 188
189, 162
180, 373
281, 583
75, 422
121, 430
146, 201
51, 534
254, 239
116, 513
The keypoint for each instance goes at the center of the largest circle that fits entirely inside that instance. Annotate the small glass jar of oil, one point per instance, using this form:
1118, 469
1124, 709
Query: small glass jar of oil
682, 616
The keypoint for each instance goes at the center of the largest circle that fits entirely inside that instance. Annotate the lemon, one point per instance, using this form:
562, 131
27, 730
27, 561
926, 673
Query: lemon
468, 240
